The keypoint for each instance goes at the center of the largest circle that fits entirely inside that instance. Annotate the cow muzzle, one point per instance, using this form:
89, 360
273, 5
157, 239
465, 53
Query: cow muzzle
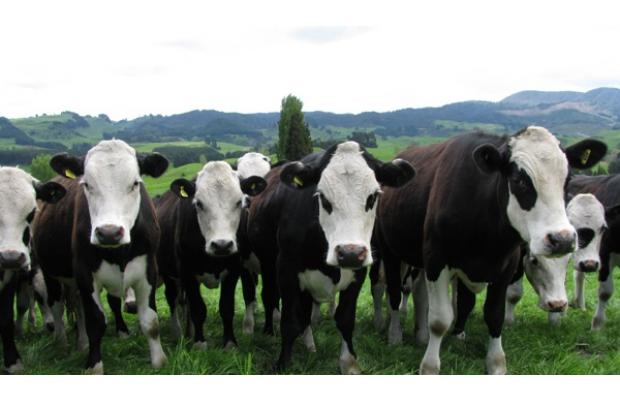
588, 266
221, 248
560, 243
109, 235
351, 256
12, 260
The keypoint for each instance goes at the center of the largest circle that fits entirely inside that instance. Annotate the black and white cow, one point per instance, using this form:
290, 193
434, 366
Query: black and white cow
311, 230
588, 216
606, 188
18, 203
107, 224
199, 221
475, 198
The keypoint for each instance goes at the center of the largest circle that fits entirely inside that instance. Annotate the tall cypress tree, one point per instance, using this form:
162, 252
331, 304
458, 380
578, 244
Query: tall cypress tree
294, 140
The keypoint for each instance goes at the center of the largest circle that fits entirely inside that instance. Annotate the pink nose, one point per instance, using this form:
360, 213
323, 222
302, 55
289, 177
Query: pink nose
351, 255
557, 305
109, 235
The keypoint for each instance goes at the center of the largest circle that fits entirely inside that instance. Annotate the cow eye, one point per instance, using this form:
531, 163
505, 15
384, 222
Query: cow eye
136, 185
371, 200
584, 237
327, 206
86, 185
239, 203
30, 216
199, 205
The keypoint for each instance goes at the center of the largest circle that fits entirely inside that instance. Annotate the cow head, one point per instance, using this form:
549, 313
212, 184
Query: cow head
253, 164
536, 170
348, 183
218, 195
547, 276
110, 176
18, 202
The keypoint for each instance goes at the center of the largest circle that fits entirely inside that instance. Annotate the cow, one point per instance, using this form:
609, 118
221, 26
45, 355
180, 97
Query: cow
31, 290
311, 229
475, 198
19, 193
588, 216
199, 221
104, 235
606, 188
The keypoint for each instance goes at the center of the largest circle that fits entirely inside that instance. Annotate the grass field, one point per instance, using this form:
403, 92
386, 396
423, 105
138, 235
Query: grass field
531, 345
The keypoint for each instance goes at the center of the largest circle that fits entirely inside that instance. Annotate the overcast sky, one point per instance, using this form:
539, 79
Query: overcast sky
129, 58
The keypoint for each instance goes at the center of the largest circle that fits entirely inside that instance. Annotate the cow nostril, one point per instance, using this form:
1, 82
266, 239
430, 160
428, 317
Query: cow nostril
222, 246
556, 305
11, 259
351, 255
561, 242
109, 234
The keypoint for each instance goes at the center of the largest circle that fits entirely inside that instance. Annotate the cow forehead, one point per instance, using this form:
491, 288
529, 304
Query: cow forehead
253, 164
16, 190
538, 152
111, 157
584, 210
216, 180
347, 173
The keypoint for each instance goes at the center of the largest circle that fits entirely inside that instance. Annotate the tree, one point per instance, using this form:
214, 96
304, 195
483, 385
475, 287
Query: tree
40, 167
293, 134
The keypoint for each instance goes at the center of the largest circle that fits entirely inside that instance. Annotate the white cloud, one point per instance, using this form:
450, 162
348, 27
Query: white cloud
132, 58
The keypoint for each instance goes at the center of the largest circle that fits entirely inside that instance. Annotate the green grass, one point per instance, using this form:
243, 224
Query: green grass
159, 185
531, 345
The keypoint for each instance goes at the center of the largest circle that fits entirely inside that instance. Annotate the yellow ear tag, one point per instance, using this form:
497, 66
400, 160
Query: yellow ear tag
253, 186
297, 181
585, 156
183, 192
69, 174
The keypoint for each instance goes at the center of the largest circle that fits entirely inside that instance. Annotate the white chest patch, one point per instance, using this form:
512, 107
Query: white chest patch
110, 277
210, 280
475, 287
321, 287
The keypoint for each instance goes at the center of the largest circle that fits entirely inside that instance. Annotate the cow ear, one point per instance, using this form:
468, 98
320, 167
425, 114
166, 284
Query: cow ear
612, 215
585, 154
253, 185
68, 166
395, 173
298, 175
153, 164
183, 188
49, 192
488, 158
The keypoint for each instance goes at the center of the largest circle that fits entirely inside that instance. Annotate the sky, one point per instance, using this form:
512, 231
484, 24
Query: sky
131, 58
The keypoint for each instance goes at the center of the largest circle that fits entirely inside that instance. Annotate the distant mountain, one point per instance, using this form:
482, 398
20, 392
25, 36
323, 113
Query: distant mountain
564, 113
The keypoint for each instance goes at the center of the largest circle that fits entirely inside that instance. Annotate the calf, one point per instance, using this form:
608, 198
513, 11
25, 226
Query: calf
199, 221
107, 224
474, 200
18, 202
311, 230
606, 188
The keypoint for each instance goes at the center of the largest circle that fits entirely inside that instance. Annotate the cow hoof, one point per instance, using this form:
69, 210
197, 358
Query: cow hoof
348, 366
496, 365
597, 324
159, 361
16, 368
461, 335
509, 321
131, 307
97, 369
276, 316
230, 346
82, 345
248, 324
200, 346
429, 368
395, 337
379, 322
123, 335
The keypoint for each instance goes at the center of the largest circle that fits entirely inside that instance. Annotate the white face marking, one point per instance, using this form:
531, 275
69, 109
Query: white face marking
321, 287
585, 212
346, 183
537, 152
17, 203
253, 164
548, 277
218, 201
111, 183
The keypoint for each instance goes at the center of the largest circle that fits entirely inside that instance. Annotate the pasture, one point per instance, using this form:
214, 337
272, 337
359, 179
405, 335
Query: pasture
531, 345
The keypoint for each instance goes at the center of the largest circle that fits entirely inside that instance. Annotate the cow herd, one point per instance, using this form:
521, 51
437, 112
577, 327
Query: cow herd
442, 222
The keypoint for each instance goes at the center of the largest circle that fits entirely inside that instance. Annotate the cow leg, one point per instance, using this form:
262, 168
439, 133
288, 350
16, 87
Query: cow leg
270, 293
197, 311
579, 301
172, 297
40, 295
82, 335
12, 362
465, 302
145, 289
514, 293
130, 301
605, 290
56, 303
22, 297
290, 324
494, 313
316, 312
95, 325
377, 289
394, 289
420, 303
115, 305
440, 315
307, 310
248, 285
345, 321
227, 305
